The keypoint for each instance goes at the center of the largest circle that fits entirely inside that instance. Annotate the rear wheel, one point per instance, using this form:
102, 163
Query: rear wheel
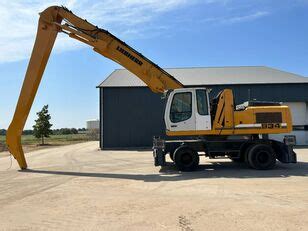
261, 156
186, 159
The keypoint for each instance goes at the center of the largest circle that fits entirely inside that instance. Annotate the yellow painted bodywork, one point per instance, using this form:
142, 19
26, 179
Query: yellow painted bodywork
102, 42
227, 120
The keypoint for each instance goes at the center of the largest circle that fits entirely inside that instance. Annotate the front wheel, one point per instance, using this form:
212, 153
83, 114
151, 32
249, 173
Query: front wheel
261, 157
186, 159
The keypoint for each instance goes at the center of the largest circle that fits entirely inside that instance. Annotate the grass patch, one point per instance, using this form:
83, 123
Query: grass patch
53, 140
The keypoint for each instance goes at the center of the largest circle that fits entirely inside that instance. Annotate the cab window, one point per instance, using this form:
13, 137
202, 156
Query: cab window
202, 105
181, 108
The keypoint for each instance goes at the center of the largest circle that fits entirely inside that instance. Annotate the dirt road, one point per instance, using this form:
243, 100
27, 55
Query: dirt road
78, 187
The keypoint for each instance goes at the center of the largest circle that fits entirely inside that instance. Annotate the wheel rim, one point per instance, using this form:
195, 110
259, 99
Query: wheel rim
186, 159
263, 157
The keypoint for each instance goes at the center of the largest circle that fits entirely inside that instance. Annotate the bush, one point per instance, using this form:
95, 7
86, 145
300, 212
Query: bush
27, 132
65, 131
2, 132
93, 134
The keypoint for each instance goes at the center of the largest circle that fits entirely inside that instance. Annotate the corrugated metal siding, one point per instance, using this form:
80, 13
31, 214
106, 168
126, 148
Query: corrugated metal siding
132, 116
266, 92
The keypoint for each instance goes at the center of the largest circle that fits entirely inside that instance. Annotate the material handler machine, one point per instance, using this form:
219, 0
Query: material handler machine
211, 128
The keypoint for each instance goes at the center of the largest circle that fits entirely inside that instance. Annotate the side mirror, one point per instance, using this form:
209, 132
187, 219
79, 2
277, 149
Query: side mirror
166, 94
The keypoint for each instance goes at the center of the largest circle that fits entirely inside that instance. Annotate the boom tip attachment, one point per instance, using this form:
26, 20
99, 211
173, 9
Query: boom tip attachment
13, 142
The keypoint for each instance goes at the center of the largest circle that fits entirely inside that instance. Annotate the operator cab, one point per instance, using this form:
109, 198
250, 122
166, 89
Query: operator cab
188, 109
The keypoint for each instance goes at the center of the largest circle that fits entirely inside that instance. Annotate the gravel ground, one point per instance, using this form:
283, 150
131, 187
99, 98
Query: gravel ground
79, 187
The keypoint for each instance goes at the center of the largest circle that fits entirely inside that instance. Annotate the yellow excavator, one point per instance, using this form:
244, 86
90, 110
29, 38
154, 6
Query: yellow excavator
212, 128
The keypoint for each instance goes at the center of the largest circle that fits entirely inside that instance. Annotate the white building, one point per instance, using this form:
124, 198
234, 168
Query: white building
93, 124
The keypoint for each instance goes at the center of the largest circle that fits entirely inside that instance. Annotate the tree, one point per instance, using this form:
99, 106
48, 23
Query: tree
42, 126
74, 131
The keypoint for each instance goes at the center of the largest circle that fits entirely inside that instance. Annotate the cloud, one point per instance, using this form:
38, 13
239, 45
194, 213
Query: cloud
18, 20
245, 18
127, 19
236, 19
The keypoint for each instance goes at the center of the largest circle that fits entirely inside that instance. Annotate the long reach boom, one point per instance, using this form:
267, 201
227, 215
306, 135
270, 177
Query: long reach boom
59, 19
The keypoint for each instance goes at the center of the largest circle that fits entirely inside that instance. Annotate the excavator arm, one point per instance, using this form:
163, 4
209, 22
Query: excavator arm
57, 19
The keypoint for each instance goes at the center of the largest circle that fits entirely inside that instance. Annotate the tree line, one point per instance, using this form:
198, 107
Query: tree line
60, 131
42, 127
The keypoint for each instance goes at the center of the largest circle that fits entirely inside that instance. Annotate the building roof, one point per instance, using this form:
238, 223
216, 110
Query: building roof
210, 76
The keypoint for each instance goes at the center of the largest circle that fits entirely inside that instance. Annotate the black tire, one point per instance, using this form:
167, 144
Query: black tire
244, 155
261, 157
247, 150
186, 159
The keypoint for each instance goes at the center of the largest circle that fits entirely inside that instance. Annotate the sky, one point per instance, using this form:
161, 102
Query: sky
172, 33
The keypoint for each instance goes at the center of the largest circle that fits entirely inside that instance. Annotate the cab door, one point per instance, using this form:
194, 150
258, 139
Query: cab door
203, 116
180, 110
